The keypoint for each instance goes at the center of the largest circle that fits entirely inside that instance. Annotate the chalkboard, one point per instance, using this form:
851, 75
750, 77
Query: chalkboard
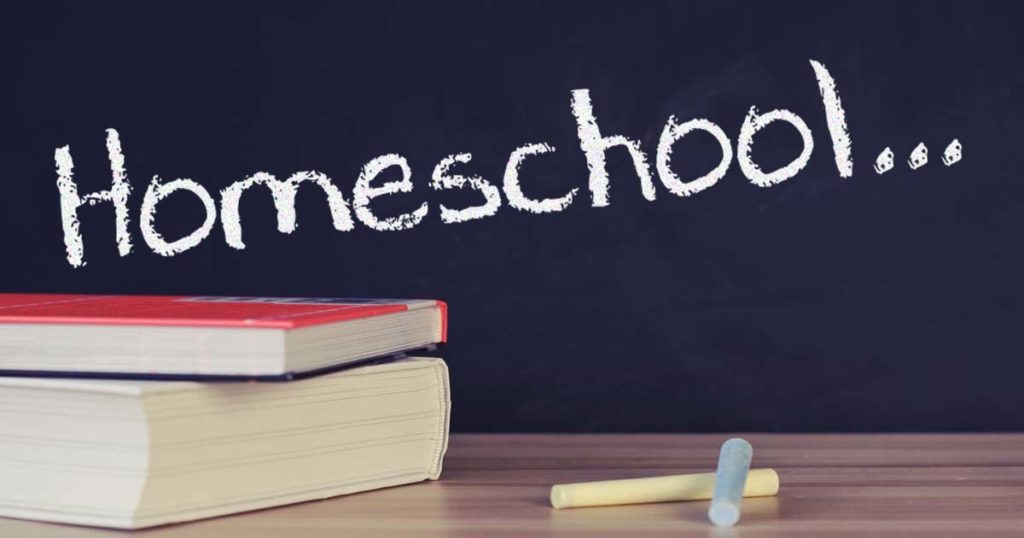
874, 302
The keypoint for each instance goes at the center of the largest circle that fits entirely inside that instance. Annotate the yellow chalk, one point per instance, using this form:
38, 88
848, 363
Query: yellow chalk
682, 487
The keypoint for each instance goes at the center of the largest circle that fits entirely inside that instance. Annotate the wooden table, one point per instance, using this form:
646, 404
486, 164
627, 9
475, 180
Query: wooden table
497, 485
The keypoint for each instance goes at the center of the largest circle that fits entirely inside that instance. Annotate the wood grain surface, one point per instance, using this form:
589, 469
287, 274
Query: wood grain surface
497, 485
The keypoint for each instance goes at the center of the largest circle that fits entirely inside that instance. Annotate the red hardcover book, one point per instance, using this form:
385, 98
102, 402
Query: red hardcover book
207, 337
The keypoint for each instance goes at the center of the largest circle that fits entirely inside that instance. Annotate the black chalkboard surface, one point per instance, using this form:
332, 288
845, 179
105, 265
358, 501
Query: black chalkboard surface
821, 303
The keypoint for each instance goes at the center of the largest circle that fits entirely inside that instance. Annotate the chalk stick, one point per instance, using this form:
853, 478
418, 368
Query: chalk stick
682, 487
730, 482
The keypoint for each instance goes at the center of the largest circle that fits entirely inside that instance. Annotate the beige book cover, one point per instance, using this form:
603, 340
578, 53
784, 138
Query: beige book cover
133, 454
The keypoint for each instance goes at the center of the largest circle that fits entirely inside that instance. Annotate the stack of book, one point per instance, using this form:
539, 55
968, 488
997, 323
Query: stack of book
131, 411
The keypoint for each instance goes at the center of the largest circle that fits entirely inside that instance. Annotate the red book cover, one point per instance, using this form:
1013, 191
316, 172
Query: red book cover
185, 311
197, 337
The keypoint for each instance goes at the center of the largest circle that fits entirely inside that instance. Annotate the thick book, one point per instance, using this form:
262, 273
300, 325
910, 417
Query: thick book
131, 454
207, 337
